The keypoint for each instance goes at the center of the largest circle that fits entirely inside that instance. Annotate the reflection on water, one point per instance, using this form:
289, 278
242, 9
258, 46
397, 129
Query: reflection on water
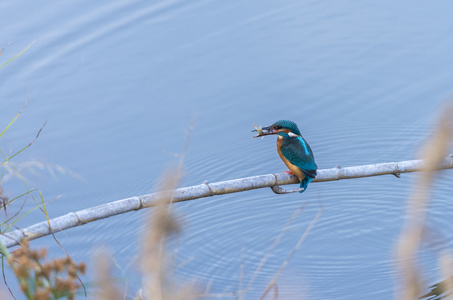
119, 84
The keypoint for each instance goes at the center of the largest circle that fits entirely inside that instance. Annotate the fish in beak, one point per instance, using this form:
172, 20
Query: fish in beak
262, 131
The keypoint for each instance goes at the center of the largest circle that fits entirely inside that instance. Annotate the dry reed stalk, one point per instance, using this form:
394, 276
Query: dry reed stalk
154, 260
446, 271
107, 289
161, 226
411, 236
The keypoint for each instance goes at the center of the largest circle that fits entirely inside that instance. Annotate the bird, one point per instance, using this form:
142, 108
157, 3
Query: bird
293, 150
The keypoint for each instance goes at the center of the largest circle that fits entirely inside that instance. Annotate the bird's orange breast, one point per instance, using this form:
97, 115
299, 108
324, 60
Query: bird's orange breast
293, 168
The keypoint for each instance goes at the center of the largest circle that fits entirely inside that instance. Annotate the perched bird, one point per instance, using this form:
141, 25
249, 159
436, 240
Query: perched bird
293, 150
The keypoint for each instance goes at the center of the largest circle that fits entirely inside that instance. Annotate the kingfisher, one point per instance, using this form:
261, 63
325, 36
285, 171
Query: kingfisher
293, 149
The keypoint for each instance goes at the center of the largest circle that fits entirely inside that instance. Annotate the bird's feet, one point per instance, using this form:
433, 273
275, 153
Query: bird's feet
278, 190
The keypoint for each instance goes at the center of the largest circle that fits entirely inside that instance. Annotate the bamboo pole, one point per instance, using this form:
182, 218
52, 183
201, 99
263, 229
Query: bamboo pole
206, 189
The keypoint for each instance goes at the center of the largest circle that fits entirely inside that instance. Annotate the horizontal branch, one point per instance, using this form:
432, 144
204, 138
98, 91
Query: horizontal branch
206, 189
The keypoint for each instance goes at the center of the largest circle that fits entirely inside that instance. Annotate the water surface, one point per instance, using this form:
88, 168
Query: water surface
120, 83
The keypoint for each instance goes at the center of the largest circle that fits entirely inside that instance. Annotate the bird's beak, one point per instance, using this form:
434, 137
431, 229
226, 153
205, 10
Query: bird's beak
267, 129
263, 131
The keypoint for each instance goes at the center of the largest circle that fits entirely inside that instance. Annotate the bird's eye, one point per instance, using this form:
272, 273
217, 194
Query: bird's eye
278, 127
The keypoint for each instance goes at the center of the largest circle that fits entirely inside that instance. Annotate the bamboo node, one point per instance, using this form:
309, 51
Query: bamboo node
141, 202
79, 220
276, 179
210, 192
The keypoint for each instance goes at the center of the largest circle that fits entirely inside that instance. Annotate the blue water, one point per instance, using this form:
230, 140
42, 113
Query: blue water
119, 84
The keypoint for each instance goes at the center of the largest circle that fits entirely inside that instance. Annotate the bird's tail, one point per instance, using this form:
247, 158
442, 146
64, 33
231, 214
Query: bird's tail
304, 183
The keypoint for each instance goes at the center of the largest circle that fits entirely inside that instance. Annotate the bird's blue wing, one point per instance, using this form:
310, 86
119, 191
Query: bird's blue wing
299, 153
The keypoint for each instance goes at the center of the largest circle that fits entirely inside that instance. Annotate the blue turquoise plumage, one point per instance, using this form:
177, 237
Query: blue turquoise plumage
294, 151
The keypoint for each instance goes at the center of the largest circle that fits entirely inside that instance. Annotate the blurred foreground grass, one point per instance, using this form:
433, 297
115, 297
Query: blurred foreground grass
37, 279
